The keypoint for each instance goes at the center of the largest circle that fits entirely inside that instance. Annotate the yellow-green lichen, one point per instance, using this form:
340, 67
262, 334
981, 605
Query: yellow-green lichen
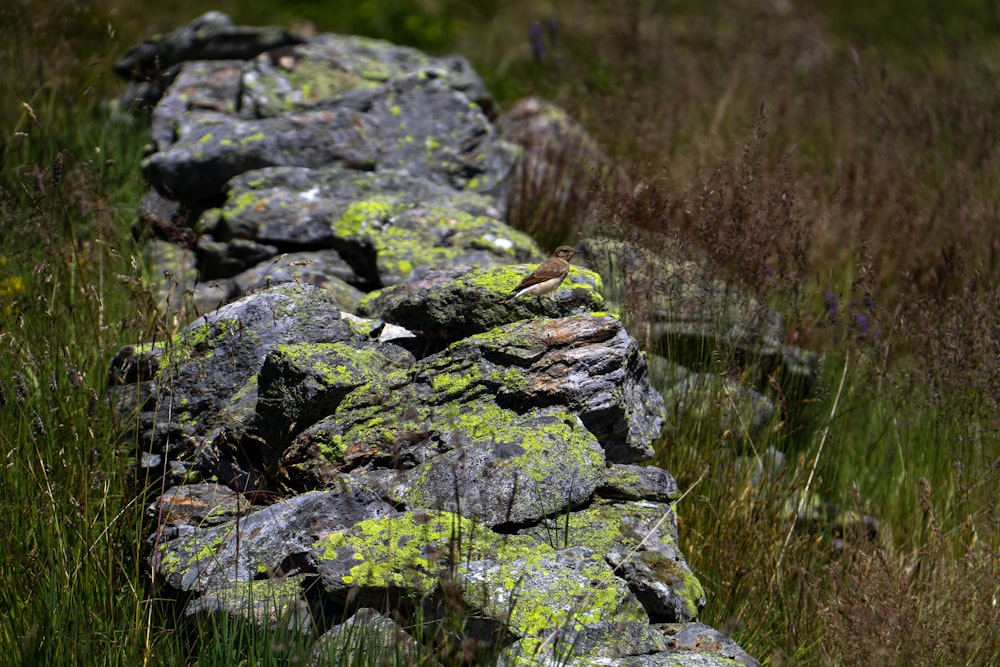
250, 138
407, 550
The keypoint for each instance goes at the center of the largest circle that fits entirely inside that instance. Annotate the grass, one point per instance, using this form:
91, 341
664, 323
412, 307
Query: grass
836, 163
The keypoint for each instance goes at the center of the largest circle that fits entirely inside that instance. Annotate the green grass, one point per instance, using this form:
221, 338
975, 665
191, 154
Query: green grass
832, 152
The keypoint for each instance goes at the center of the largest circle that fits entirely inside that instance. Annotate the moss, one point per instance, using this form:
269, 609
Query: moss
206, 138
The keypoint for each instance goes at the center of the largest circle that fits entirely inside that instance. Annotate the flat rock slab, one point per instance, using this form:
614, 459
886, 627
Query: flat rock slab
536, 466
417, 123
270, 543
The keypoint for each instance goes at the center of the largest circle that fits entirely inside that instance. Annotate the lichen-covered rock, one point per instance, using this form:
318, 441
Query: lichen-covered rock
704, 639
292, 207
212, 36
447, 305
407, 553
633, 482
416, 122
300, 383
368, 638
563, 603
694, 315
515, 473
277, 604
586, 365
214, 358
318, 71
271, 542
183, 509
639, 539
203, 85
322, 268
453, 417
387, 241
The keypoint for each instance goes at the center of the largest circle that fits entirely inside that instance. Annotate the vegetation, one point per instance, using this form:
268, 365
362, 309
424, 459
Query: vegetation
839, 160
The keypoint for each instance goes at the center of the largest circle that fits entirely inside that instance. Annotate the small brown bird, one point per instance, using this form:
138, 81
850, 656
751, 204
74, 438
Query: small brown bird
548, 276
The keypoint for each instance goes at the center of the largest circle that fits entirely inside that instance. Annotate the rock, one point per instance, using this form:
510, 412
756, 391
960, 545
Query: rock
270, 543
416, 122
301, 383
322, 268
693, 316
585, 364
292, 207
701, 638
327, 66
275, 604
639, 540
438, 448
706, 403
196, 506
563, 603
405, 554
212, 36
447, 305
223, 260
551, 191
368, 638
215, 357
632, 482
203, 85
535, 466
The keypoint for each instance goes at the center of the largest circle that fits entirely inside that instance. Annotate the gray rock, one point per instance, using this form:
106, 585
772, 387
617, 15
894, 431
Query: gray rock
701, 638
367, 638
417, 123
639, 539
198, 505
322, 268
301, 383
218, 259
693, 316
270, 543
551, 189
275, 604
448, 305
632, 482
586, 363
292, 207
211, 36
563, 603
329, 65
533, 467
707, 403
217, 355
212, 85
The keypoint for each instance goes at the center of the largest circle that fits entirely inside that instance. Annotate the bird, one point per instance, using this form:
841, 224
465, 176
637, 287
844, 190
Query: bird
547, 276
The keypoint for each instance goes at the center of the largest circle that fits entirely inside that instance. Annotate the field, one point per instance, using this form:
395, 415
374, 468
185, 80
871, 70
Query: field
841, 161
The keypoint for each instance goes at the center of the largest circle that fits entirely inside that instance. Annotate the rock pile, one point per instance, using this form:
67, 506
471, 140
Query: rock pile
355, 426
